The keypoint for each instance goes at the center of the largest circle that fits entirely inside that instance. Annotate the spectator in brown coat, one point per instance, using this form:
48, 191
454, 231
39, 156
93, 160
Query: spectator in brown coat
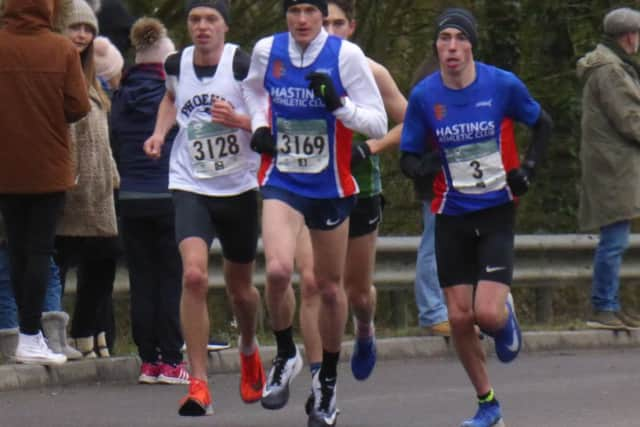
42, 77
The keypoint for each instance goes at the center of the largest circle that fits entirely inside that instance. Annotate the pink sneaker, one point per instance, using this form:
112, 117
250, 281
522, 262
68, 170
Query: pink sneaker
149, 373
170, 374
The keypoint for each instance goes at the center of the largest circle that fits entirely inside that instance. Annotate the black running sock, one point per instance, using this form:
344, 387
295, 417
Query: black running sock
329, 368
284, 342
488, 398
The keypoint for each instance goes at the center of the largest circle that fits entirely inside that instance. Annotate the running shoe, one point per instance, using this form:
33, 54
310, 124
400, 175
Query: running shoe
198, 402
508, 341
324, 412
149, 373
214, 344
308, 405
488, 415
283, 371
173, 374
363, 359
217, 344
252, 378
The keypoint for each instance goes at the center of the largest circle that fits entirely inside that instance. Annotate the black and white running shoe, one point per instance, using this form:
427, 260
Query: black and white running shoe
324, 412
283, 371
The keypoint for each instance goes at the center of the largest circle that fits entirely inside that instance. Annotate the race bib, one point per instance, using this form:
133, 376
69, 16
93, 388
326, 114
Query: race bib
303, 146
476, 168
214, 149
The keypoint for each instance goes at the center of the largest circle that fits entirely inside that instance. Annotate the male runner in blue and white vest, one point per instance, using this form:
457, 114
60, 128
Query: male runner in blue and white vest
459, 126
306, 92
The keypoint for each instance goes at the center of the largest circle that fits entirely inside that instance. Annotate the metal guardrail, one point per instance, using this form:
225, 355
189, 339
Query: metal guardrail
541, 261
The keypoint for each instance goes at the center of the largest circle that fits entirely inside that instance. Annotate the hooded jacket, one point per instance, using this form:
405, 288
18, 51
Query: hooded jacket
42, 89
610, 144
133, 116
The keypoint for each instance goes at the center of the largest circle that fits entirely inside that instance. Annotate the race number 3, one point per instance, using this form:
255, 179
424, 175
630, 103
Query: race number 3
476, 168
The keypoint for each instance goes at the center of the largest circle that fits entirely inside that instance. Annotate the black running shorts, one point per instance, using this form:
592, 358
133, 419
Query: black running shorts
366, 216
233, 220
476, 246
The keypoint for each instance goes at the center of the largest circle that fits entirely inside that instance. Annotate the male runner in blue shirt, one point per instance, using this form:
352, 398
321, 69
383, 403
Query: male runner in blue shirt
459, 126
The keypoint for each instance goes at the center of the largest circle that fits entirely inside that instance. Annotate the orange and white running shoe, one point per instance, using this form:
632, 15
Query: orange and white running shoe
252, 377
198, 402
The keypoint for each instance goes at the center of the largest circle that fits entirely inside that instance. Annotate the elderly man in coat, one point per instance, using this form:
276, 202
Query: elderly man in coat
610, 159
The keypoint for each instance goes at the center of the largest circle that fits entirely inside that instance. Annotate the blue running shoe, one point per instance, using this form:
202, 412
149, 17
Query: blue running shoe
363, 359
488, 415
508, 341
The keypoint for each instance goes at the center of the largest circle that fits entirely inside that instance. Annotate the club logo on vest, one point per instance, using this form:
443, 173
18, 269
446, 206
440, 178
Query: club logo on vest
440, 111
201, 102
279, 69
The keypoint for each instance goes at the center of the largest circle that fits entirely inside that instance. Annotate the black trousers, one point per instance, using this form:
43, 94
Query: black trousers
30, 220
155, 277
95, 259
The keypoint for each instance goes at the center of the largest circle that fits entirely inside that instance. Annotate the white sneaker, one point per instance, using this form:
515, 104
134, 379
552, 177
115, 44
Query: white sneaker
33, 349
324, 412
276, 393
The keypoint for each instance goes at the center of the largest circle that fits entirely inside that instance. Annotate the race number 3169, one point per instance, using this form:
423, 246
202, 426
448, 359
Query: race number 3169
302, 144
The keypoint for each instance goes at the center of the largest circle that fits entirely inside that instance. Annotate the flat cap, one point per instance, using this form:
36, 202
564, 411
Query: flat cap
621, 20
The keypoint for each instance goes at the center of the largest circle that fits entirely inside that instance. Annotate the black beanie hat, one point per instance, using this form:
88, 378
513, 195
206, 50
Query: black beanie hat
320, 4
460, 19
222, 6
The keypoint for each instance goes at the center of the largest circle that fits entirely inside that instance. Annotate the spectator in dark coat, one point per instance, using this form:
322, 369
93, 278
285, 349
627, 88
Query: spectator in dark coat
146, 210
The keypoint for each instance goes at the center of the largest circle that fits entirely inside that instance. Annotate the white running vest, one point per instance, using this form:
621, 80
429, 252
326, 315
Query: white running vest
208, 158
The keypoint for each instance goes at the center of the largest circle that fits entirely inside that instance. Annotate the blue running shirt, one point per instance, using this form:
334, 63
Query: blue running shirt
472, 128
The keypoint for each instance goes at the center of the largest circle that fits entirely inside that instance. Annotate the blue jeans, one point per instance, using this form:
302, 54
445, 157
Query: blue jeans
8, 308
614, 240
429, 298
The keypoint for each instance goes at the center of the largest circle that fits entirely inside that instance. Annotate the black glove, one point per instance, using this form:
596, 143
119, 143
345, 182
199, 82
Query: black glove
323, 88
519, 180
359, 153
430, 164
420, 167
262, 141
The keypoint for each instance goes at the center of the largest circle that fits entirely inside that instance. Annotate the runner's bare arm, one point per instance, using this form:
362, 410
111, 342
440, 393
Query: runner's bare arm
394, 103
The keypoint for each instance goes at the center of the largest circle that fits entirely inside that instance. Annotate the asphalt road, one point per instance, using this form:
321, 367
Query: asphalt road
585, 389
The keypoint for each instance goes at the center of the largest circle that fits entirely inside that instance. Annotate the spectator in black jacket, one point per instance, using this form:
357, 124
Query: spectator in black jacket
146, 210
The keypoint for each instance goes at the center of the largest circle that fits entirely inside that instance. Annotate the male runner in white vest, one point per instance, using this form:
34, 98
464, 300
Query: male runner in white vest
213, 179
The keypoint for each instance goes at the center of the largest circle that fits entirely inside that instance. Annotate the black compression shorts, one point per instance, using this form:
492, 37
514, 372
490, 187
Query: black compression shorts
476, 246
